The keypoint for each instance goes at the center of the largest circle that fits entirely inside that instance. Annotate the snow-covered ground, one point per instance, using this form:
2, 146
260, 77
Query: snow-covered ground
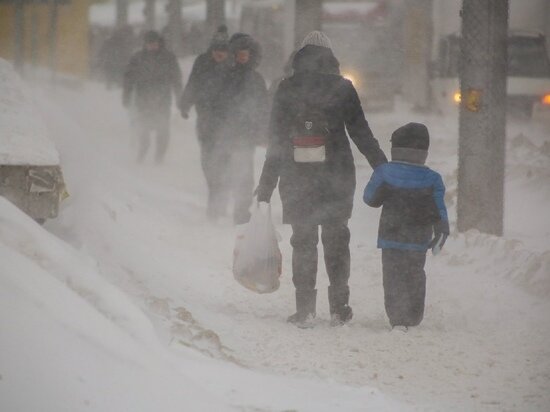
127, 301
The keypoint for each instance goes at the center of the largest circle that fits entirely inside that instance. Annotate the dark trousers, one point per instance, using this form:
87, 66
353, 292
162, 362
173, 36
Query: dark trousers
157, 124
335, 237
404, 286
214, 163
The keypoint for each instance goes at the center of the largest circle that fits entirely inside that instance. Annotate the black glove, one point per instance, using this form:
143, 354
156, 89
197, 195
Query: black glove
261, 195
185, 115
438, 242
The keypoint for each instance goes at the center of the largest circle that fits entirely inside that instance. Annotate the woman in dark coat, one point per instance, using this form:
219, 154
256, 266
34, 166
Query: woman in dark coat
317, 191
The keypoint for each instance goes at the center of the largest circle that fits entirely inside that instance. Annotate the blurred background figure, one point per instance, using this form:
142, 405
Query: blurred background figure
152, 75
115, 54
204, 90
245, 119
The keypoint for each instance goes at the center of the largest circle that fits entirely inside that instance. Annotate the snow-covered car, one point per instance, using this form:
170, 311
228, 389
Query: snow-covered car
30, 172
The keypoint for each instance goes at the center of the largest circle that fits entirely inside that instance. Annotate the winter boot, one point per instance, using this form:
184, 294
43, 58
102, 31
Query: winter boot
305, 308
338, 299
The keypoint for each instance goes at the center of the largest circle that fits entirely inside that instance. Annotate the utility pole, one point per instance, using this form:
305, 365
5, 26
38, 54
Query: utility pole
19, 38
121, 13
52, 38
215, 15
482, 123
175, 22
308, 17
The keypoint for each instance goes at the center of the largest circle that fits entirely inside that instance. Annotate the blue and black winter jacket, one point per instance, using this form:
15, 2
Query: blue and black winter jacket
413, 203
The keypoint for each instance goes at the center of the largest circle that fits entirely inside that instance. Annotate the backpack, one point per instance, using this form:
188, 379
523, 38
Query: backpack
309, 133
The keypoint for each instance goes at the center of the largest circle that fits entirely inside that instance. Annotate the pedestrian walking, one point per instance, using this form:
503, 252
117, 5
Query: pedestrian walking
204, 90
152, 76
413, 220
309, 156
245, 121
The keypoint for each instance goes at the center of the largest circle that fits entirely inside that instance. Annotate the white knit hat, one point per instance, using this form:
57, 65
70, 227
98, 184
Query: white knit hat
317, 38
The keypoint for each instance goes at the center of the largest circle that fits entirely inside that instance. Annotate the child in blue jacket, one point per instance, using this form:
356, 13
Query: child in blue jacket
413, 220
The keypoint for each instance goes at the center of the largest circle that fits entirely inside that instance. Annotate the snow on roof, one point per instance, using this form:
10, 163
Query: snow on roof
23, 136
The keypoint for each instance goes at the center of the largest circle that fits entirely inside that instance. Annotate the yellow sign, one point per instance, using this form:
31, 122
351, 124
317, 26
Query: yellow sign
472, 100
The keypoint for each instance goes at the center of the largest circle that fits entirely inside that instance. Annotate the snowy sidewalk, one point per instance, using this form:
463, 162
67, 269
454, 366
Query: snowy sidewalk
482, 346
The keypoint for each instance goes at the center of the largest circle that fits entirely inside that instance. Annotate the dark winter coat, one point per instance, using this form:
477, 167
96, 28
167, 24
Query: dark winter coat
413, 206
317, 193
150, 79
204, 90
245, 101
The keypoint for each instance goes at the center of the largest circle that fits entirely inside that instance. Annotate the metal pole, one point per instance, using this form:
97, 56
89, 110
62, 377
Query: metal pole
19, 38
52, 34
482, 123
175, 23
121, 13
308, 17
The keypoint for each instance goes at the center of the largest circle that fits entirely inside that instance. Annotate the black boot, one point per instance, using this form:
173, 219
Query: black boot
338, 299
305, 308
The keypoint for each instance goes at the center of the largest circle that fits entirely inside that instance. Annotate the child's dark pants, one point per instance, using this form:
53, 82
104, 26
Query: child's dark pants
404, 286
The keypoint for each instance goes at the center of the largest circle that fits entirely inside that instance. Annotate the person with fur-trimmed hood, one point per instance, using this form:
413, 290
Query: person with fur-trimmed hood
245, 120
152, 76
413, 220
204, 90
309, 156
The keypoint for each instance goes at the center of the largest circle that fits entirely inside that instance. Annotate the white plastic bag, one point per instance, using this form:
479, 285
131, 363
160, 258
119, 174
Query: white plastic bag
257, 260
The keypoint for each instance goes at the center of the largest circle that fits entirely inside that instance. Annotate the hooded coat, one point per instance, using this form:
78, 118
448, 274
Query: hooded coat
317, 193
205, 90
150, 78
245, 97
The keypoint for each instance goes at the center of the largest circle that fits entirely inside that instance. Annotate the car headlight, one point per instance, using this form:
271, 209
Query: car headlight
457, 97
352, 77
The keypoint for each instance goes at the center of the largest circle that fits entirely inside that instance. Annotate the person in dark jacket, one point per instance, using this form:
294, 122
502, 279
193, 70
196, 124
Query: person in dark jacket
245, 121
152, 75
413, 208
204, 90
310, 155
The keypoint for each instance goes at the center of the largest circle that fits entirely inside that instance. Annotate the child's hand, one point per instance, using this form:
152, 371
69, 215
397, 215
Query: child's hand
437, 243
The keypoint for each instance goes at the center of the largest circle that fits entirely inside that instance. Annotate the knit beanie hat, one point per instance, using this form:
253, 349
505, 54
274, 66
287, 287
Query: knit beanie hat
412, 135
410, 143
152, 36
220, 40
317, 38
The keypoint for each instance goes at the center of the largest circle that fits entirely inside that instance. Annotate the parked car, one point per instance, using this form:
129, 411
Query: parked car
30, 171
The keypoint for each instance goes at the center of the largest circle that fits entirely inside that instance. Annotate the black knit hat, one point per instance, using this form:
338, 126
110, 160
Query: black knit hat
152, 37
411, 136
220, 40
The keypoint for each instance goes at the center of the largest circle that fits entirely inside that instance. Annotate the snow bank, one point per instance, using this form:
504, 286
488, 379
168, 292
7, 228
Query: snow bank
502, 258
71, 341
23, 137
